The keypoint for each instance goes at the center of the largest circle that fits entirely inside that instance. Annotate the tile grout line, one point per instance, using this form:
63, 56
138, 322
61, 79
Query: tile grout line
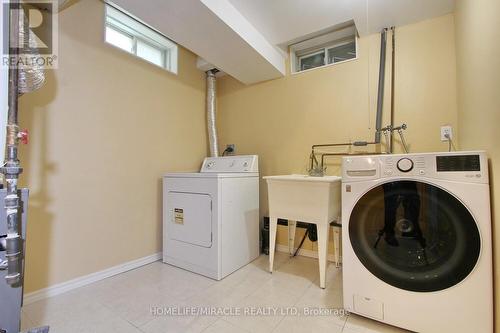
118, 315
188, 301
221, 319
312, 285
259, 288
294, 304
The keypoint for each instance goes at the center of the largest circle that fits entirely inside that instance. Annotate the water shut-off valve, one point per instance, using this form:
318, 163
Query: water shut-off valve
23, 136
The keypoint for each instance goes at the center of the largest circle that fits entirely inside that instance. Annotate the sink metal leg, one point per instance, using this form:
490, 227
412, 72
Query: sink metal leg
323, 232
336, 245
273, 225
291, 236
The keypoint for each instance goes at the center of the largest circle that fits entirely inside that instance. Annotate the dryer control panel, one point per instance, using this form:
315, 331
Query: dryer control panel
231, 164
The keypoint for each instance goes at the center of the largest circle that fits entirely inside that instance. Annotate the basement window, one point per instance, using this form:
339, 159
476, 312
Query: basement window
326, 49
130, 35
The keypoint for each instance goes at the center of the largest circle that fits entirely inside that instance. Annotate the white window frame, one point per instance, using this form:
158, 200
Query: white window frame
127, 25
297, 52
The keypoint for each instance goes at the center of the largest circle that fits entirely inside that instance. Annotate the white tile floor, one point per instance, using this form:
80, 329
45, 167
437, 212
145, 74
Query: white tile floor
123, 303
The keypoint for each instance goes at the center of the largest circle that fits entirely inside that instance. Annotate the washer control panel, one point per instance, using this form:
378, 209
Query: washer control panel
243, 163
454, 165
469, 166
403, 165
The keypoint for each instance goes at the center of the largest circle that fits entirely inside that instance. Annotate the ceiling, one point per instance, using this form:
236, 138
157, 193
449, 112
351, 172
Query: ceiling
215, 31
248, 39
285, 21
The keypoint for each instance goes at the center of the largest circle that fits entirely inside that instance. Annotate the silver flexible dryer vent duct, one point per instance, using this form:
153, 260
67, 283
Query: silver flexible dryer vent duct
211, 111
31, 77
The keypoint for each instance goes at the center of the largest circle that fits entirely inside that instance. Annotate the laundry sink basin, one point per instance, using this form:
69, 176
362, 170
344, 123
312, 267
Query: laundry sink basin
314, 200
304, 198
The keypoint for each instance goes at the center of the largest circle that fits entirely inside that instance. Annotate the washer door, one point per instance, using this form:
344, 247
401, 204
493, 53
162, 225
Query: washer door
414, 236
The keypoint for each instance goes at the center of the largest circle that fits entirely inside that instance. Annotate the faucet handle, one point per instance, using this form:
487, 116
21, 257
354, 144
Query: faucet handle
23, 136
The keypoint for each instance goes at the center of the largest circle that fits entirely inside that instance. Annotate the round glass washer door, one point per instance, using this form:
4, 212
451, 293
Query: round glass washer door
414, 236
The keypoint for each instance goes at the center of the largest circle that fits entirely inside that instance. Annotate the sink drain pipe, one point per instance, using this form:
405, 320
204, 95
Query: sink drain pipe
211, 113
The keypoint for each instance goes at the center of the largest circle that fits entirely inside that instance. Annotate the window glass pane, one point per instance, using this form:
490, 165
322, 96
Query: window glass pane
342, 52
127, 33
312, 61
150, 53
119, 39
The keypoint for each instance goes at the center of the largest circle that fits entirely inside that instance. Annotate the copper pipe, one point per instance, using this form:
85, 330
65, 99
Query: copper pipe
355, 144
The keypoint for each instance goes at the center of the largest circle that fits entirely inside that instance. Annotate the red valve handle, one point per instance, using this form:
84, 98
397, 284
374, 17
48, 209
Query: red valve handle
24, 136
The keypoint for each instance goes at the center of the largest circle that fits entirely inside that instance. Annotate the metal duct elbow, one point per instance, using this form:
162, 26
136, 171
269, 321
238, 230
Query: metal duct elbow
31, 77
211, 113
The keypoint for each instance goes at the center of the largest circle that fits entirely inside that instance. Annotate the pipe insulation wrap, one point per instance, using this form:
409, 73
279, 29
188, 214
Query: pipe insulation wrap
211, 113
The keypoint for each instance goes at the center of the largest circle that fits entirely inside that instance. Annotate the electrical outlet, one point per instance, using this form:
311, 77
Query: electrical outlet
230, 149
446, 133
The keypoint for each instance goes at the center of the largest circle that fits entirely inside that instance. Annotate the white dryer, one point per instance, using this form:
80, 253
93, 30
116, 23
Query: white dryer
211, 217
417, 249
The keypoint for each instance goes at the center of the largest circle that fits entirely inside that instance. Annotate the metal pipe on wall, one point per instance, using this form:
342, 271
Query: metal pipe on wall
393, 76
4, 81
12, 168
211, 113
381, 83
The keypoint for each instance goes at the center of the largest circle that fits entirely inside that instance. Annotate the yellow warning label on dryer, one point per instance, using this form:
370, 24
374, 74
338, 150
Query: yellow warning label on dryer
179, 215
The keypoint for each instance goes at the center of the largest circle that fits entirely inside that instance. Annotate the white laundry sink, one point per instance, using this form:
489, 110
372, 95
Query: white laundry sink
304, 198
307, 199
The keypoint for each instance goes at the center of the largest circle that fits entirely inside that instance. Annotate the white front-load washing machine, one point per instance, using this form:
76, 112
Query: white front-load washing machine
211, 217
417, 249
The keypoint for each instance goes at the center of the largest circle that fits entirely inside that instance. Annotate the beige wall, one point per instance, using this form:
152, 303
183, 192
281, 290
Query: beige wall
279, 120
478, 70
103, 130
106, 126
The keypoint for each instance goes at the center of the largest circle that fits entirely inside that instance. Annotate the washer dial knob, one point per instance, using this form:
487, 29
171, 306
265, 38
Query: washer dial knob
405, 165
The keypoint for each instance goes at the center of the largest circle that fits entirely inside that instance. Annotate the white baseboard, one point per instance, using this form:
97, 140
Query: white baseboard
61, 288
306, 253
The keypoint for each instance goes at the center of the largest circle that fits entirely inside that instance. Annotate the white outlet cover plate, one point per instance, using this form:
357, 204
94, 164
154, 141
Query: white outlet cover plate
446, 130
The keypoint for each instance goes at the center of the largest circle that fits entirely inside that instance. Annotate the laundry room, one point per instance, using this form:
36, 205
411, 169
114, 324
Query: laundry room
249, 166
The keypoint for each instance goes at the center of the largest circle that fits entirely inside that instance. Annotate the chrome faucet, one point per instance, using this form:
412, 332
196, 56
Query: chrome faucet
316, 169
